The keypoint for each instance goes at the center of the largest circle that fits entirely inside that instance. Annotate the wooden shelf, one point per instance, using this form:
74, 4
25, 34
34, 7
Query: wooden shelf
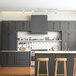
39, 40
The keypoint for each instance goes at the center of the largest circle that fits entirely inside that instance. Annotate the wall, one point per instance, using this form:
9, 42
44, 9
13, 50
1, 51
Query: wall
16, 15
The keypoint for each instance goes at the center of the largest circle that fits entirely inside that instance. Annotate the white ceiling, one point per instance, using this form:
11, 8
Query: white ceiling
19, 5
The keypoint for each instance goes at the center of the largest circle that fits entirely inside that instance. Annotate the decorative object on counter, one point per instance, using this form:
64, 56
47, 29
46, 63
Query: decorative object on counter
22, 48
68, 50
65, 46
54, 48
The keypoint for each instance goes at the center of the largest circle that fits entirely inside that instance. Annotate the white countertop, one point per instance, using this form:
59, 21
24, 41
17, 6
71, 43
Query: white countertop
12, 51
55, 52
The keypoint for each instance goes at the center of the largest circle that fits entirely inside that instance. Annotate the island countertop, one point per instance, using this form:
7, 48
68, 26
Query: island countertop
55, 52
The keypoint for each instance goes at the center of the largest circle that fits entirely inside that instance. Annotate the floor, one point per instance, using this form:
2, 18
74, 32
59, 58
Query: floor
17, 71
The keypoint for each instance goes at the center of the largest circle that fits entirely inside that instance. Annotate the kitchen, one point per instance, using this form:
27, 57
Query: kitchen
30, 37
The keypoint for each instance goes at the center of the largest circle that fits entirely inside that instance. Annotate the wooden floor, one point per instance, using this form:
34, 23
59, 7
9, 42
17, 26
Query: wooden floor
17, 71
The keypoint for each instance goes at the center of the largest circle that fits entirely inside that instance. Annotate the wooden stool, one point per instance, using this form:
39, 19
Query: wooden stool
74, 69
60, 59
39, 60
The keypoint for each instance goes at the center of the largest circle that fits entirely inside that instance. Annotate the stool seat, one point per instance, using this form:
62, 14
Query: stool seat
60, 59
42, 59
74, 59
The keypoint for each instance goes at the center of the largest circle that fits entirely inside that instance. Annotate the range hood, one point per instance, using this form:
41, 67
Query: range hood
38, 24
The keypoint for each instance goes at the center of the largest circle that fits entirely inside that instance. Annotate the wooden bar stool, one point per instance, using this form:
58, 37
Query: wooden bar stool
74, 69
39, 60
56, 64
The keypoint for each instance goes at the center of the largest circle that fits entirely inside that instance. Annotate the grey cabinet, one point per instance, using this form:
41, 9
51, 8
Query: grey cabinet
11, 59
22, 26
22, 59
4, 61
64, 26
57, 25
14, 59
70, 39
50, 26
5, 35
64, 40
26, 26
19, 25
12, 41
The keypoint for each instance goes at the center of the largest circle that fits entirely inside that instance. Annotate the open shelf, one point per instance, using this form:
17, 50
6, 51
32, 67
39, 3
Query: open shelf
39, 40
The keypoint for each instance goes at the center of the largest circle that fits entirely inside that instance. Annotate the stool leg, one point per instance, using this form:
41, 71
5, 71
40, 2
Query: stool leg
38, 68
47, 68
56, 64
65, 71
74, 69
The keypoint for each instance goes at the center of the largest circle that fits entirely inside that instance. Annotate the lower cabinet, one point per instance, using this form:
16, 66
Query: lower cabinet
22, 59
15, 59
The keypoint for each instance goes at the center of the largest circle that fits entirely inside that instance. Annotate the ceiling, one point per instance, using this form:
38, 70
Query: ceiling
20, 5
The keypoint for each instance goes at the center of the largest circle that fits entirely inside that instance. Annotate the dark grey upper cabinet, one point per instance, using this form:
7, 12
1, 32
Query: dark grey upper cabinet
5, 36
12, 41
57, 25
12, 26
19, 25
72, 26
26, 26
64, 40
38, 24
71, 41
50, 26
22, 26
64, 26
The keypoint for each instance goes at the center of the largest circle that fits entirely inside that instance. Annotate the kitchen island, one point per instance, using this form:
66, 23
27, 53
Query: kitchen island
70, 55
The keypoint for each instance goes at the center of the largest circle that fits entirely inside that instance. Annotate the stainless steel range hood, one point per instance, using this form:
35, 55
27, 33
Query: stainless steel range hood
38, 24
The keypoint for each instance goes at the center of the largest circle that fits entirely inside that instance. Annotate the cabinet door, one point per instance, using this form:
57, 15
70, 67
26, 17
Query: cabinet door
57, 26
12, 36
12, 26
71, 41
26, 26
0, 59
11, 59
12, 41
22, 59
4, 59
72, 26
50, 26
64, 40
19, 25
64, 26
5, 36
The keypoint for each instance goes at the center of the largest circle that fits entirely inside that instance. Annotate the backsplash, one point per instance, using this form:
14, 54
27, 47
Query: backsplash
49, 41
